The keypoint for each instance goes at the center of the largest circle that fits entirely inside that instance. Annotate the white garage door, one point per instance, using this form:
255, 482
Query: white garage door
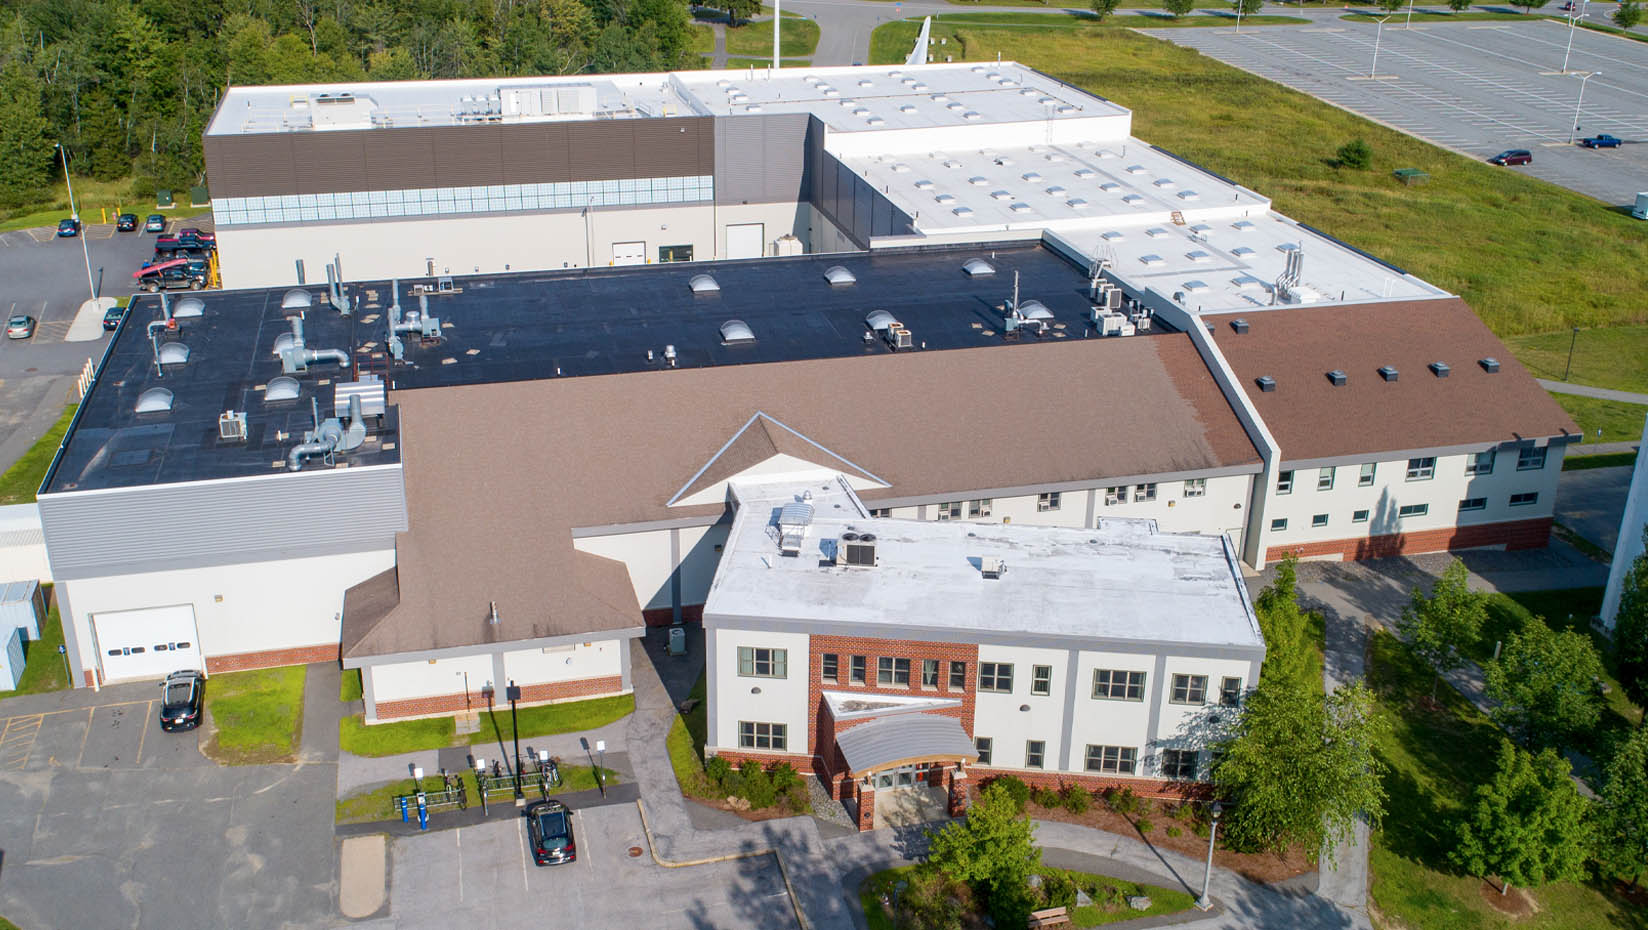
747, 240
148, 643
629, 253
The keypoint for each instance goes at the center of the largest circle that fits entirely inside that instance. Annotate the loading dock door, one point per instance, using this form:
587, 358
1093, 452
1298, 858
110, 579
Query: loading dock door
747, 240
629, 253
148, 643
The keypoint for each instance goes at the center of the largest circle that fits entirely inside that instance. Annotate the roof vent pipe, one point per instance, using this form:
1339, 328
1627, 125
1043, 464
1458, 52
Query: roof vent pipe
669, 355
1489, 365
330, 437
297, 357
1336, 378
411, 321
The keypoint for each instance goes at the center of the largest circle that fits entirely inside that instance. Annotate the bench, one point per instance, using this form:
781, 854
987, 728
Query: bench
1049, 917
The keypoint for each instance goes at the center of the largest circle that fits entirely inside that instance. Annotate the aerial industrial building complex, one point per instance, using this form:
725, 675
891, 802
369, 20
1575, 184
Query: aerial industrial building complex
950, 408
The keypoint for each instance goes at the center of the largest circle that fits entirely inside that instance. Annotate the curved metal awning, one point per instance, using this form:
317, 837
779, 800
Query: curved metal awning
902, 740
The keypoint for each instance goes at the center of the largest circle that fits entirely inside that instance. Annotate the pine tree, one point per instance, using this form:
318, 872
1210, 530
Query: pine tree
26, 147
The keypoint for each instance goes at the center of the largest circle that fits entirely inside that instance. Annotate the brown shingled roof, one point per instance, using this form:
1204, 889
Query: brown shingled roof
498, 475
1311, 418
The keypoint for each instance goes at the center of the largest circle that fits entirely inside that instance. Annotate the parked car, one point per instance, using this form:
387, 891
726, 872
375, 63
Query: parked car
1567, 7
181, 697
172, 275
549, 826
20, 327
1600, 141
126, 222
155, 223
1513, 157
112, 317
69, 227
183, 242
199, 235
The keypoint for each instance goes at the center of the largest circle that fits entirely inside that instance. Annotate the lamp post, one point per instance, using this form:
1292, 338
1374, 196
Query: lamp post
513, 692
1573, 24
1570, 366
1583, 78
80, 231
601, 752
1377, 33
1409, 23
1204, 902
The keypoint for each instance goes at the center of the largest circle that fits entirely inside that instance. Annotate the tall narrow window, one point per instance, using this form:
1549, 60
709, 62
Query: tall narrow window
983, 744
1365, 479
1035, 751
958, 676
1324, 478
1230, 692
929, 673
1284, 482
829, 667
1041, 679
859, 669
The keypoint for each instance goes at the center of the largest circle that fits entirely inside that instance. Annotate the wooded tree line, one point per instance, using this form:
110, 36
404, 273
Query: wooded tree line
127, 86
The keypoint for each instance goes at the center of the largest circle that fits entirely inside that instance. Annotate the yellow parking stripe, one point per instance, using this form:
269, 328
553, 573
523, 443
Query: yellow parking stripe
17, 740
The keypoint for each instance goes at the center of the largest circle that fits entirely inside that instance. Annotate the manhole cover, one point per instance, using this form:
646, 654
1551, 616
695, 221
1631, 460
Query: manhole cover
635, 852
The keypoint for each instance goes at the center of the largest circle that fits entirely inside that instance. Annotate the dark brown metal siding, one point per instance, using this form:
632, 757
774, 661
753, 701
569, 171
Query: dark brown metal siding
399, 160
671, 148
534, 153
467, 156
242, 166
602, 150
332, 161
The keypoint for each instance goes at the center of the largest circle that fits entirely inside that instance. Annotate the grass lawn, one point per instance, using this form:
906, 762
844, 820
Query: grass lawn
735, 62
257, 716
549, 719
702, 38
42, 666
350, 687
1559, 258
1162, 900
392, 739
797, 39
93, 197
685, 743
1616, 357
1605, 460
1619, 422
22, 479
1436, 757
378, 802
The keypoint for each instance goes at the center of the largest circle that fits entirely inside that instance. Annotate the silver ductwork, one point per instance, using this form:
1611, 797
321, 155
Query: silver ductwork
297, 357
331, 437
410, 321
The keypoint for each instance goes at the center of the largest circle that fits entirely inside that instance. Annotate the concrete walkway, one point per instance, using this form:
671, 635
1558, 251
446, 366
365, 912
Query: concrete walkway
1563, 387
357, 772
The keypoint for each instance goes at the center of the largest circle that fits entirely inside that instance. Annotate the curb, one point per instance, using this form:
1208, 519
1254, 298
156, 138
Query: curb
784, 873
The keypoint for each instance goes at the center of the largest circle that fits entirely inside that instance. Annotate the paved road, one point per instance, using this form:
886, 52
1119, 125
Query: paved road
1477, 88
1563, 387
1591, 502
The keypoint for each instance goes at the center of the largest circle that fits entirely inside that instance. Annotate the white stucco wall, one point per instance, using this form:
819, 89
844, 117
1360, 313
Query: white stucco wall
249, 607
595, 659
425, 678
997, 714
1106, 721
782, 700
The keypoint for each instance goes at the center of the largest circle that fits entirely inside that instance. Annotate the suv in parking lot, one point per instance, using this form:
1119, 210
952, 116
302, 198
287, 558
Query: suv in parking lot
1600, 141
181, 697
1513, 157
549, 825
172, 275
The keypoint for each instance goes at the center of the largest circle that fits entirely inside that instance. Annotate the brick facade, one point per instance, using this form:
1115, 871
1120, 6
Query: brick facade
547, 693
665, 616
1515, 534
272, 658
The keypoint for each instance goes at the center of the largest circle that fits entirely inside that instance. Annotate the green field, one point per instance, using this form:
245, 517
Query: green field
257, 716
703, 38
797, 39
1619, 422
1616, 357
22, 479
1558, 258
1605, 460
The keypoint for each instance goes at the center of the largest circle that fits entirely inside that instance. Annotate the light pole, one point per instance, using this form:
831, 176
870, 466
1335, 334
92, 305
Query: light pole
1203, 902
80, 231
1573, 23
1570, 366
1583, 77
1373, 72
1409, 23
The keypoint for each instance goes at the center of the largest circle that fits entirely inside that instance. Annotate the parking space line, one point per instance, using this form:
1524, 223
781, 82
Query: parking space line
91, 716
144, 733
15, 747
520, 847
457, 837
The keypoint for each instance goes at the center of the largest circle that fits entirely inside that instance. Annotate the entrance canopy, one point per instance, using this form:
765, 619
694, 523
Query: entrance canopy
902, 740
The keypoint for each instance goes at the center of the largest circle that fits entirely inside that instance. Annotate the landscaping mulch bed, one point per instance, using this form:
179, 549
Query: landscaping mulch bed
1513, 903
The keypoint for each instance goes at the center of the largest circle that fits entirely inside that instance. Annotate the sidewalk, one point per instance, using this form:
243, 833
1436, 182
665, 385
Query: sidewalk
1563, 387
356, 772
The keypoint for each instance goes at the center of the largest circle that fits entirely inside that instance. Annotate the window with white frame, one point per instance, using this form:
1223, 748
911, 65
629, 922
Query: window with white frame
1324, 478
1413, 510
760, 662
1480, 463
881, 512
1047, 501
983, 745
1112, 760
1320, 519
1189, 689
1523, 500
949, 510
755, 735
1035, 751
1195, 487
1117, 685
1530, 458
1359, 516
1284, 482
1144, 492
1422, 469
980, 507
1180, 764
1279, 524
995, 676
1114, 496
1365, 478
1230, 691
1041, 679
929, 673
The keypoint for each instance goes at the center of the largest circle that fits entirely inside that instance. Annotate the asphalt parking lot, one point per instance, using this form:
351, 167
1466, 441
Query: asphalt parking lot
107, 821
483, 876
1475, 87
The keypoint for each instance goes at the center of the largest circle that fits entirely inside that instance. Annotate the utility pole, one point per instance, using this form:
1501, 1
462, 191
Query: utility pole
80, 230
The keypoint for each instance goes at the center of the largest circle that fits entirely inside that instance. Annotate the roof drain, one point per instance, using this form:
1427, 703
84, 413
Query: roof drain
331, 437
415, 321
297, 358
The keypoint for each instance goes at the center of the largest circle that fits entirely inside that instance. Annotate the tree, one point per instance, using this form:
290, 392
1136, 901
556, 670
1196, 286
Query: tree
1459, 6
994, 851
1178, 8
1623, 845
1438, 626
1528, 825
26, 149
1391, 6
1103, 8
1545, 685
1301, 767
1529, 6
1286, 627
739, 9
1628, 14
1247, 7
1631, 631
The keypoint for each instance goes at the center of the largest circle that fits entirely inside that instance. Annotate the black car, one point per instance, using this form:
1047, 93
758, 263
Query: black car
112, 317
182, 695
126, 222
549, 827
172, 275
68, 227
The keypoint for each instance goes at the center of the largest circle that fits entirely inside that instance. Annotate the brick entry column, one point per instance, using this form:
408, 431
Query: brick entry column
866, 805
957, 783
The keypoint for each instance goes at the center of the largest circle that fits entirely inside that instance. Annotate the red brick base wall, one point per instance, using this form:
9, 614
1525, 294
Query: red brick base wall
273, 658
665, 616
979, 775
440, 704
1515, 534
801, 763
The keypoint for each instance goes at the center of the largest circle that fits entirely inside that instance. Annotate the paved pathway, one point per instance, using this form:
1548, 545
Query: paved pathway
356, 772
1563, 387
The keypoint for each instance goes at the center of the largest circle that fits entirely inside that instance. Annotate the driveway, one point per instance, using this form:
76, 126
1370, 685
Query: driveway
1591, 502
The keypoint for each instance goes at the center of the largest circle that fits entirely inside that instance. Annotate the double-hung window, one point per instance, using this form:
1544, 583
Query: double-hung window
949, 510
1041, 679
1144, 492
860, 670
1048, 501
980, 507
1117, 685
929, 673
894, 672
1180, 764
753, 735
1365, 479
995, 676
958, 676
1530, 458
829, 667
1324, 478
758, 662
984, 745
1230, 692
1035, 751
1112, 760
1114, 496
1480, 464
1284, 482
1189, 689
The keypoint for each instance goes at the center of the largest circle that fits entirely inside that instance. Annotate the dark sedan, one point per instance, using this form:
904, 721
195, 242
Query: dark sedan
182, 695
549, 827
69, 227
112, 317
126, 222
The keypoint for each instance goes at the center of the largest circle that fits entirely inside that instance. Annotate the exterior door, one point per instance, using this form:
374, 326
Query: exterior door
629, 253
747, 240
148, 643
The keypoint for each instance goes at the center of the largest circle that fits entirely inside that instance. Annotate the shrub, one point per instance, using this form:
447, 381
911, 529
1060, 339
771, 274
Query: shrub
784, 777
929, 901
1123, 801
1144, 825
755, 786
1046, 797
718, 771
1014, 787
1356, 153
1058, 889
1174, 831
1075, 799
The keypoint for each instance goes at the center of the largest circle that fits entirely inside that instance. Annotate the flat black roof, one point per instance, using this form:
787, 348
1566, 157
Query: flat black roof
528, 326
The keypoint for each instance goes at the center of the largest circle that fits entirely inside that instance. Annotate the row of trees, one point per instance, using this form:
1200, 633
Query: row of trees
127, 86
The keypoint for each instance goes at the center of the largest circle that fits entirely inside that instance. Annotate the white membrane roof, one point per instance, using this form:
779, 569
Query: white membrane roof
1123, 581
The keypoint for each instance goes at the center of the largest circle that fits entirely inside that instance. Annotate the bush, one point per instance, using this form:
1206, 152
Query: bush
1075, 799
1174, 832
1045, 797
1057, 889
929, 901
1014, 787
1356, 153
1144, 825
1123, 801
755, 785
784, 778
718, 771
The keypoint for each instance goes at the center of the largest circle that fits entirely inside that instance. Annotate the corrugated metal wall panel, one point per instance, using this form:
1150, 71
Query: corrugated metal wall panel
602, 150
251, 165
400, 159
784, 158
738, 150
534, 153
330, 161
467, 156
107, 533
669, 148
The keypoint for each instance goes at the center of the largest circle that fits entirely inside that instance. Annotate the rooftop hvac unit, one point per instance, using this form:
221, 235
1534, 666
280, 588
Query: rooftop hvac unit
861, 553
1489, 365
992, 567
897, 337
370, 389
231, 426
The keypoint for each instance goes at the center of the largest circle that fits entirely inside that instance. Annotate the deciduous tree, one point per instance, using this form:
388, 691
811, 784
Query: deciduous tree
1178, 8
1628, 15
1631, 631
1528, 824
994, 851
1545, 685
1438, 627
1103, 8
1623, 845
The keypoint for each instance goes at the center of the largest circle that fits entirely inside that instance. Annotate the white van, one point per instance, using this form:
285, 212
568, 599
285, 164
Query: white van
1640, 211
